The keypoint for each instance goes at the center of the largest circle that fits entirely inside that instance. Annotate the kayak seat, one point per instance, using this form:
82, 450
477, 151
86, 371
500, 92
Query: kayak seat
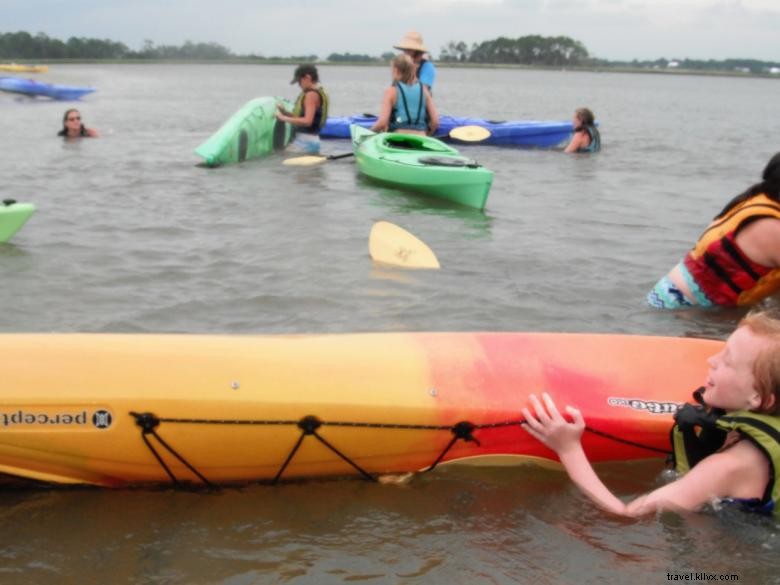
9, 202
496, 121
449, 161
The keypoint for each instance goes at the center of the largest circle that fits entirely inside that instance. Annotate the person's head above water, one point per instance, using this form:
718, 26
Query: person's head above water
72, 126
585, 117
745, 374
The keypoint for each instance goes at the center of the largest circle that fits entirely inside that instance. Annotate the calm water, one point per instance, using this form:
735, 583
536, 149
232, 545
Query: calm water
130, 236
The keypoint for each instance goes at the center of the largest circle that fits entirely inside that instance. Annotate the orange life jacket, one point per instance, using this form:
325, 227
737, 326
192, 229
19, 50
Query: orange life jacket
720, 267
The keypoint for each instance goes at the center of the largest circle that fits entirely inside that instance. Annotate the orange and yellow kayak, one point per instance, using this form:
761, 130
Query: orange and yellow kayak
115, 410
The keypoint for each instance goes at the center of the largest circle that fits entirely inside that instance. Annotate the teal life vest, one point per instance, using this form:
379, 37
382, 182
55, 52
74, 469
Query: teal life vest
595, 140
409, 112
698, 433
320, 115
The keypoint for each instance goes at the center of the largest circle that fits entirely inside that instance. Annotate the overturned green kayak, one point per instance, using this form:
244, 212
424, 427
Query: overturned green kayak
421, 164
13, 216
252, 132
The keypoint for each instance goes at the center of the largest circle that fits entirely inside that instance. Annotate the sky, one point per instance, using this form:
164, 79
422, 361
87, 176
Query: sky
609, 29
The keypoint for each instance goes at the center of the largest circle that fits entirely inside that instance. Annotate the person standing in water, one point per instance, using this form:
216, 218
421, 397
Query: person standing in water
736, 261
310, 111
407, 105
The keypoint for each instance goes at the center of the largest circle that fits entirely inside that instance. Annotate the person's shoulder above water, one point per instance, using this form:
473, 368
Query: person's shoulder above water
73, 127
586, 136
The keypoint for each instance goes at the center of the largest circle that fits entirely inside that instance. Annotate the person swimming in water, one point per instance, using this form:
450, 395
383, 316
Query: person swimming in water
73, 128
736, 456
586, 136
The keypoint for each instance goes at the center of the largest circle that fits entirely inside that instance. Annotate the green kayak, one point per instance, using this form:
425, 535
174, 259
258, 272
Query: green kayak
252, 132
421, 164
13, 216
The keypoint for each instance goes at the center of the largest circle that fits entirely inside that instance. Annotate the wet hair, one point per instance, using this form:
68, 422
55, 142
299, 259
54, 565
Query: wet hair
766, 367
405, 66
585, 116
769, 186
306, 69
64, 131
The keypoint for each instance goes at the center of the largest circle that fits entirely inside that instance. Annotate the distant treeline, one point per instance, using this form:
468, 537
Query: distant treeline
528, 50
23, 45
739, 65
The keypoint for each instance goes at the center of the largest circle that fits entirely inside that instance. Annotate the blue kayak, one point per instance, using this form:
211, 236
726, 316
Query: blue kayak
38, 88
510, 133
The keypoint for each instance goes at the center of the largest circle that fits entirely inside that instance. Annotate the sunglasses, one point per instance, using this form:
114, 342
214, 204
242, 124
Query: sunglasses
76, 118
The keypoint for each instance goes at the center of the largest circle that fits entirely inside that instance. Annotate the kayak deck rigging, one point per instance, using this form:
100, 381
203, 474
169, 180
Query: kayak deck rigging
309, 425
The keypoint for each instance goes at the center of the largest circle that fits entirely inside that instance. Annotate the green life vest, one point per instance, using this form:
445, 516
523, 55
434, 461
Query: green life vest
320, 116
699, 433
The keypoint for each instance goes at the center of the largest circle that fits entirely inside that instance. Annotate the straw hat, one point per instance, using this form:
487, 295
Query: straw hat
412, 41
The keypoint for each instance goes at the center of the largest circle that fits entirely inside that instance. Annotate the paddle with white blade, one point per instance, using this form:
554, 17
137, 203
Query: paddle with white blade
470, 133
310, 160
391, 244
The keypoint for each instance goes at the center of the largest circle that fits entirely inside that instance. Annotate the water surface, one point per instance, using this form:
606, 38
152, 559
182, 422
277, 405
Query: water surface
131, 236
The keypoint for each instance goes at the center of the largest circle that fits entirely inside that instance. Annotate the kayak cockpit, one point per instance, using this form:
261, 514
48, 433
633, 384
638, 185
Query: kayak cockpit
414, 142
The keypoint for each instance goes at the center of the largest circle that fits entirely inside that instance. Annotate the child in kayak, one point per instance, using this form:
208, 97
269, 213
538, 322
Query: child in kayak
735, 456
310, 111
73, 128
407, 105
586, 136
737, 259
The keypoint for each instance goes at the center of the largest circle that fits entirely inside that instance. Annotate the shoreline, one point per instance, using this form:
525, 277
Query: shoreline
439, 64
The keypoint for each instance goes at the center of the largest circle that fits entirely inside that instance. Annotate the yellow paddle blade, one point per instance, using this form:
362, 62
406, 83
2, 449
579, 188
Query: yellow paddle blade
304, 161
391, 244
470, 133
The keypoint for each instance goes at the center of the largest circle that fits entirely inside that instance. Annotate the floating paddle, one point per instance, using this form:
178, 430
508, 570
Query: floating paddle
391, 244
470, 133
307, 161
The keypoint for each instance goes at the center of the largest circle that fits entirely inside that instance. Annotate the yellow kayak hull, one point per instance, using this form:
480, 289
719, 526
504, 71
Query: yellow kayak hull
227, 409
16, 68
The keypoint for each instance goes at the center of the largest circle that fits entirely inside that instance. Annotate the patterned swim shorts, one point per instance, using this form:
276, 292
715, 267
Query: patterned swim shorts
666, 295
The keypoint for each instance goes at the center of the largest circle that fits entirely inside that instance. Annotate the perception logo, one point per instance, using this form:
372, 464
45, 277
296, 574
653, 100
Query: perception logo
37, 417
102, 419
651, 406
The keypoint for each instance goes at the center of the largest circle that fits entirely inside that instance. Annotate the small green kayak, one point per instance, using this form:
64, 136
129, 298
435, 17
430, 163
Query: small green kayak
13, 216
421, 164
252, 132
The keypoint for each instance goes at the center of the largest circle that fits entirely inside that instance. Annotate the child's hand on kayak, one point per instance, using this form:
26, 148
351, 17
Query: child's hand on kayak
549, 426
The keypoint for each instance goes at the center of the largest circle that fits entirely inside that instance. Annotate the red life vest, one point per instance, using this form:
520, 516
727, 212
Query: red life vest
720, 267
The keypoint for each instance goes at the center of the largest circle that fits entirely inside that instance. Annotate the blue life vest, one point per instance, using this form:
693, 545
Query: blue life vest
409, 112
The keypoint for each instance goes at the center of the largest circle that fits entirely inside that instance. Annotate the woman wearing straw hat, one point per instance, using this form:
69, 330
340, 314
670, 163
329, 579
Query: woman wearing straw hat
412, 45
